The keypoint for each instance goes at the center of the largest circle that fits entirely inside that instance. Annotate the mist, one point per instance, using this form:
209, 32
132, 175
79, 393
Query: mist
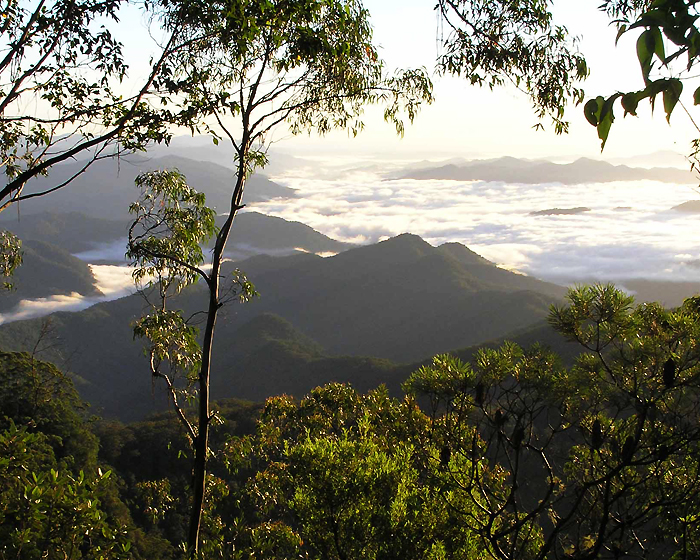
628, 230
113, 281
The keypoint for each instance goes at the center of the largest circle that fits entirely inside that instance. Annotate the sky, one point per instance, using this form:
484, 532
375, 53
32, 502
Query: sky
473, 122
468, 121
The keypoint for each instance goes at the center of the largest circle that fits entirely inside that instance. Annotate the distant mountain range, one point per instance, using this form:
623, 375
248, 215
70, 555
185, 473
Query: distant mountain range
583, 170
48, 270
252, 233
106, 188
560, 211
400, 300
690, 207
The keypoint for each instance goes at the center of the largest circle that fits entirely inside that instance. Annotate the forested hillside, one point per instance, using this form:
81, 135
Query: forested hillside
268, 391
401, 300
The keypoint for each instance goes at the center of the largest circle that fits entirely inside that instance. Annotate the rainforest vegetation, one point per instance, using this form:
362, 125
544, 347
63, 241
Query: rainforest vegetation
518, 452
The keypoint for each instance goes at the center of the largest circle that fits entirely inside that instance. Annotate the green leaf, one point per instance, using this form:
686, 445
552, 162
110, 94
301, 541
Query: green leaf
649, 43
653, 18
630, 102
620, 31
696, 97
672, 94
591, 110
605, 119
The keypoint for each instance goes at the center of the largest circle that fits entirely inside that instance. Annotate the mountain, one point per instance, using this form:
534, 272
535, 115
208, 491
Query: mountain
254, 233
98, 239
400, 299
560, 211
583, 170
690, 207
72, 231
202, 148
106, 188
317, 319
48, 270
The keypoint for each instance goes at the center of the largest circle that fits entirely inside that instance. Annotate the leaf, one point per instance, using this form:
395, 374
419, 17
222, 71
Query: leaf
672, 94
591, 110
630, 101
649, 43
604, 129
653, 18
696, 97
606, 118
620, 31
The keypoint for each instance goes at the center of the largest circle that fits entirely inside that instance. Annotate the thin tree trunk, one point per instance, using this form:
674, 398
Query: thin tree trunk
201, 444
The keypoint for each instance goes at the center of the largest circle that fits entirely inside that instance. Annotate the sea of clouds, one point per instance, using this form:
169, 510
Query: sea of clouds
629, 232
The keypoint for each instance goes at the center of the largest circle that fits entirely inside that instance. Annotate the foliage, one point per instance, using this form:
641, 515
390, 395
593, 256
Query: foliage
171, 223
493, 42
55, 500
61, 60
152, 459
667, 50
606, 451
340, 475
47, 512
10, 256
38, 395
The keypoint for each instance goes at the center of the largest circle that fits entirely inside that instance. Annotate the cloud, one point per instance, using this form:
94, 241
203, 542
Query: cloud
113, 251
493, 218
354, 202
113, 281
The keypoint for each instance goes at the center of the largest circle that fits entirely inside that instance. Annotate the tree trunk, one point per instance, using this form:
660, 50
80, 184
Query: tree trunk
201, 443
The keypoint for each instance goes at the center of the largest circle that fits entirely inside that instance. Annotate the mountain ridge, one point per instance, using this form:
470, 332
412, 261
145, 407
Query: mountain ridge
582, 170
327, 312
106, 188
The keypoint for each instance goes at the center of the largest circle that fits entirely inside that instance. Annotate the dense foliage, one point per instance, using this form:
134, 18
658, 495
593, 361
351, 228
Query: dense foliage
667, 52
512, 456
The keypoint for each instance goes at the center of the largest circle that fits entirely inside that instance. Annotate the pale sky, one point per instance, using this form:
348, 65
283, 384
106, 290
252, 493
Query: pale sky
466, 120
472, 122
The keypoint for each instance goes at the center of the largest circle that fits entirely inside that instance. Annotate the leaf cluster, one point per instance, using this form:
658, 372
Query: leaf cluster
669, 32
495, 42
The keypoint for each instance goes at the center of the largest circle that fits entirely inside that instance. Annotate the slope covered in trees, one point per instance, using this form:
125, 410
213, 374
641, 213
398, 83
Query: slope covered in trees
512, 455
106, 188
402, 300
48, 270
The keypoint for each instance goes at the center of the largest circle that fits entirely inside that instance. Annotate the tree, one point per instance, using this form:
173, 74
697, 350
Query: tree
667, 50
37, 394
492, 42
341, 475
48, 512
55, 500
598, 460
310, 64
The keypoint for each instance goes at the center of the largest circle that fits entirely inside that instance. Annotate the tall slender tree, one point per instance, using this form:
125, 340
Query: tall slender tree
252, 65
